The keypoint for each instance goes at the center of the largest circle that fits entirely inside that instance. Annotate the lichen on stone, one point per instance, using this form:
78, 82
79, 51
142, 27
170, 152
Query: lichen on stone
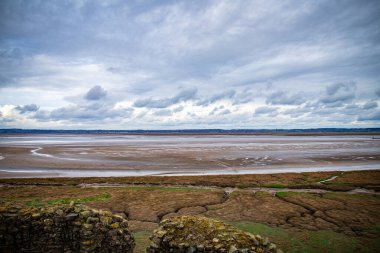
200, 234
63, 228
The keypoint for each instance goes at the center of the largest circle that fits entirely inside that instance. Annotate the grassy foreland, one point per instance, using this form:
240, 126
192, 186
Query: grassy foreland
301, 212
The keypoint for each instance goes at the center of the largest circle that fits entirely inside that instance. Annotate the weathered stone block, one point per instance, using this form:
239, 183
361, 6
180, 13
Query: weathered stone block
62, 229
194, 234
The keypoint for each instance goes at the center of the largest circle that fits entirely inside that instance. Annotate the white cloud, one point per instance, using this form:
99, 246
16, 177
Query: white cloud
143, 64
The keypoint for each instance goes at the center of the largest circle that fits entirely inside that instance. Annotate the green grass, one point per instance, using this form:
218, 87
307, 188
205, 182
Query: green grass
279, 186
38, 203
34, 203
306, 241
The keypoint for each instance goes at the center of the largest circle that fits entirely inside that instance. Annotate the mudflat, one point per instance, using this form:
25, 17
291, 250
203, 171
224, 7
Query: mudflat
133, 155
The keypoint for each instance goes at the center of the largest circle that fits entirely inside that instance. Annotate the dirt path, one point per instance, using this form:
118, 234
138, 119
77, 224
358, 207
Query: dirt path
227, 190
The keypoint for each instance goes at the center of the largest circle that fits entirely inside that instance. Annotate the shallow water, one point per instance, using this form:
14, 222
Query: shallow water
129, 155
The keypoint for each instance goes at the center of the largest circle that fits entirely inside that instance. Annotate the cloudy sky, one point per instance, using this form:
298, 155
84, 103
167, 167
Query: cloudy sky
148, 64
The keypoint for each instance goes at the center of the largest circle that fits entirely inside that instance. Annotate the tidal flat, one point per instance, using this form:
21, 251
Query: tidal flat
105, 155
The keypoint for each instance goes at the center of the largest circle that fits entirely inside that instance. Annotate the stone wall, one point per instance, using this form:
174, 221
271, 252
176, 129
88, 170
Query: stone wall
62, 229
192, 234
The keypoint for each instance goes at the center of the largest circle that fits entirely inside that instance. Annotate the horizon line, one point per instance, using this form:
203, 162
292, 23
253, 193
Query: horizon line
195, 129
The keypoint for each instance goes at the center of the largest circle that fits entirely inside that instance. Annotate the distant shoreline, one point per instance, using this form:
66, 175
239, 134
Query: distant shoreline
279, 132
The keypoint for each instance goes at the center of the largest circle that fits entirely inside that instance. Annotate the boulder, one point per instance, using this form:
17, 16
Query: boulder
71, 228
200, 234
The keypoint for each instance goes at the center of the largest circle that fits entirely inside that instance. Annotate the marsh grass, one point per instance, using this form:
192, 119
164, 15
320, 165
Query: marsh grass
305, 241
39, 203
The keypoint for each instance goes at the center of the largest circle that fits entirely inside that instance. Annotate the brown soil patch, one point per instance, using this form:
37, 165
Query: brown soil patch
351, 214
136, 225
151, 204
259, 207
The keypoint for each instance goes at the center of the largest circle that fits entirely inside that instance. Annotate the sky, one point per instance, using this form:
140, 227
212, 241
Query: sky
144, 64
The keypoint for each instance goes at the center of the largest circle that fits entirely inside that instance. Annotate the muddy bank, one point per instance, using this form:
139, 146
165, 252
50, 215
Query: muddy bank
113, 155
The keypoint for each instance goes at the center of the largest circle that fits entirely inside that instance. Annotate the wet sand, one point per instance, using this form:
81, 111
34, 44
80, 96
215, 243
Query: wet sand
141, 155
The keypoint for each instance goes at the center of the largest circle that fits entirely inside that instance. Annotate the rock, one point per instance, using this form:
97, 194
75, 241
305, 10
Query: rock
62, 229
87, 226
106, 220
48, 222
36, 215
153, 245
233, 249
59, 212
85, 214
201, 234
160, 233
272, 246
92, 220
71, 216
115, 225
192, 249
88, 242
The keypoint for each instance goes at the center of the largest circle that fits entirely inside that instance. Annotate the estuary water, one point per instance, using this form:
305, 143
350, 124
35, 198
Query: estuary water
62, 155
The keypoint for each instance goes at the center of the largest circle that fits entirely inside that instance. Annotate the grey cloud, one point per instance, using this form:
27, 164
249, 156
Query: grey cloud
27, 108
297, 112
374, 116
87, 112
216, 110
243, 97
6, 120
178, 109
182, 96
347, 113
5, 81
227, 94
225, 112
282, 98
377, 92
219, 111
12, 53
338, 94
265, 110
164, 112
370, 105
96, 93
352, 106
323, 111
